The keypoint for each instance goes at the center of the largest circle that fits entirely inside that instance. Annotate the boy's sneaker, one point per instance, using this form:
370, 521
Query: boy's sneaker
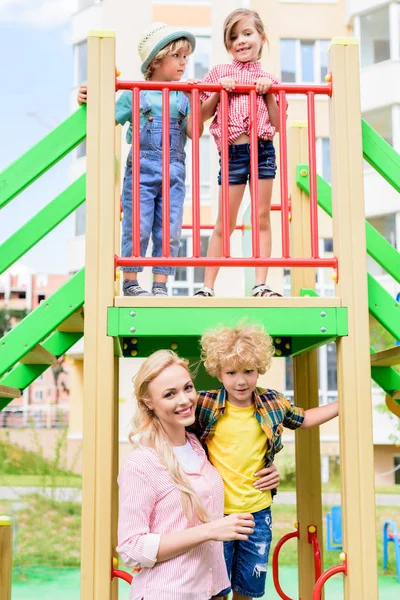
159, 291
135, 290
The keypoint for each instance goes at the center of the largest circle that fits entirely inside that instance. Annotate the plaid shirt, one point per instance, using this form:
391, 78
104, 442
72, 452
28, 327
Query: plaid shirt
239, 110
272, 410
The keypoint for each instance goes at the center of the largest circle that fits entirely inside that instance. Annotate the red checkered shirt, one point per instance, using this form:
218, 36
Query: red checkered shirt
239, 111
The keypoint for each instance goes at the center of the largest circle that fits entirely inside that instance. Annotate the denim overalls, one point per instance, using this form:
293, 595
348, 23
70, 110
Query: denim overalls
151, 186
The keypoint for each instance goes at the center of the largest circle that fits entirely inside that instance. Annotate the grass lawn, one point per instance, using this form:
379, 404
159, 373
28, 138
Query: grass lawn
41, 481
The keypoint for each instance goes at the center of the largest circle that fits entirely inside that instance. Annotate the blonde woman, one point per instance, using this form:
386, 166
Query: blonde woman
171, 498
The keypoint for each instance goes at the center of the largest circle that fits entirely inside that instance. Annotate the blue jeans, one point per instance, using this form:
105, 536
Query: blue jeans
247, 560
151, 206
239, 162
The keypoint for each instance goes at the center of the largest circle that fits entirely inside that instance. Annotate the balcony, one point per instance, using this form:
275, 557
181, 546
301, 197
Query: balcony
380, 85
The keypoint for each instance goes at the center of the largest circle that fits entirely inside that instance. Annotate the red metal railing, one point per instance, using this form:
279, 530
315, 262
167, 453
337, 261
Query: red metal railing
314, 541
286, 260
275, 563
327, 575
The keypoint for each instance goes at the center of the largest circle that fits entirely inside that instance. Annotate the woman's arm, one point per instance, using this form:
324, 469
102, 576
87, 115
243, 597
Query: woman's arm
319, 415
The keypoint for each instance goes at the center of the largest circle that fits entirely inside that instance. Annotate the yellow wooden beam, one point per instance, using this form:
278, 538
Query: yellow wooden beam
9, 392
6, 535
286, 302
74, 324
38, 356
386, 358
392, 405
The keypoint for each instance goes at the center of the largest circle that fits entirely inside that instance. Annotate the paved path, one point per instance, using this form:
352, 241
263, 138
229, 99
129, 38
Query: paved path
75, 495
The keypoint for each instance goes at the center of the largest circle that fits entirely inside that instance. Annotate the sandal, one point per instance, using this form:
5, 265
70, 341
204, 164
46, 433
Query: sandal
263, 291
205, 292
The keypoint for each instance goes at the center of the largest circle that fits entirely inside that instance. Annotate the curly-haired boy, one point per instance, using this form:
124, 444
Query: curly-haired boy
241, 425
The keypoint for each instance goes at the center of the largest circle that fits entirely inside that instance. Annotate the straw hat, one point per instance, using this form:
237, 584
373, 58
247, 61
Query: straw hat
156, 37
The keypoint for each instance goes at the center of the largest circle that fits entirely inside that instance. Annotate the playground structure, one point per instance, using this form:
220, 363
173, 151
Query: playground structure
116, 326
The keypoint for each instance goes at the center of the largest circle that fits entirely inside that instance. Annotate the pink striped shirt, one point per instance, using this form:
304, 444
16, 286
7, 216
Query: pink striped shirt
149, 506
239, 110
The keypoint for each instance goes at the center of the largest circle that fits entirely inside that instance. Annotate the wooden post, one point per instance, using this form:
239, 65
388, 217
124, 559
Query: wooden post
6, 536
305, 376
100, 406
353, 360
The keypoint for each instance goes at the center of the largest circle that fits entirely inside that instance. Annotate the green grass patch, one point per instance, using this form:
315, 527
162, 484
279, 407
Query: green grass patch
41, 481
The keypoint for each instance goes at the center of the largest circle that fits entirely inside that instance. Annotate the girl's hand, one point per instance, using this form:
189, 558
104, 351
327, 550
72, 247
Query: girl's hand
263, 84
191, 82
269, 479
232, 527
82, 94
227, 83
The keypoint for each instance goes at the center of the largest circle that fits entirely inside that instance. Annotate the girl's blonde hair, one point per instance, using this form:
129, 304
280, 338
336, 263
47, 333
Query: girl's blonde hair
180, 44
244, 346
148, 430
234, 18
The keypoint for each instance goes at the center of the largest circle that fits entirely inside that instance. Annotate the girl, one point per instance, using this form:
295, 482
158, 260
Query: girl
244, 38
171, 499
164, 53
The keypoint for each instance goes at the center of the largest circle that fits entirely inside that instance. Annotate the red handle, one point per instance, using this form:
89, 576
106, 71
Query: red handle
314, 541
275, 563
122, 575
324, 578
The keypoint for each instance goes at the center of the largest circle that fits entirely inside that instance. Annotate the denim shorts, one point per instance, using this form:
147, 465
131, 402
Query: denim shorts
247, 560
239, 162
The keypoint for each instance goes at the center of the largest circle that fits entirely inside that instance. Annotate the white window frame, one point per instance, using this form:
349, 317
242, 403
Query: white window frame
317, 59
188, 283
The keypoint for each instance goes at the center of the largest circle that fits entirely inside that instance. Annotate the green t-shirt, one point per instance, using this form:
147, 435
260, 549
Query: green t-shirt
123, 109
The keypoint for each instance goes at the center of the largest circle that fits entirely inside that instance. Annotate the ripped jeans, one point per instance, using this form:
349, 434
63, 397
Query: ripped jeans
247, 560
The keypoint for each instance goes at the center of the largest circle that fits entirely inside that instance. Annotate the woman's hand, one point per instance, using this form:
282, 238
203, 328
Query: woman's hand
269, 478
262, 85
82, 94
232, 527
227, 83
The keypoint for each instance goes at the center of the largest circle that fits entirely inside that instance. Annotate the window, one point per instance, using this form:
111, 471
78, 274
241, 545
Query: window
200, 62
324, 159
386, 225
82, 4
206, 157
303, 61
81, 62
188, 279
375, 36
80, 220
381, 120
81, 150
38, 395
40, 298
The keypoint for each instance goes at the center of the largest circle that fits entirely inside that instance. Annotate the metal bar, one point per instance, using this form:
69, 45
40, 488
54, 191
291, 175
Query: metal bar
165, 173
239, 227
289, 88
255, 211
226, 262
225, 176
324, 578
312, 159
275, 563
284, 175
196, 172
135, 172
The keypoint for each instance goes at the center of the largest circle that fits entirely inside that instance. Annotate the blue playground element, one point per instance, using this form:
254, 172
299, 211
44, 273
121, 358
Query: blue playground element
391, 536
334, 528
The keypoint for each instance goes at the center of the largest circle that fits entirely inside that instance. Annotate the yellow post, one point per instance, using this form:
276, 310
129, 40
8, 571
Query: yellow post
100, 406
6, 535
305, 374
353, 360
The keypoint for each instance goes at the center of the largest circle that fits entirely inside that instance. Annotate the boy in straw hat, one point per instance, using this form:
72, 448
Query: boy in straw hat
164, 53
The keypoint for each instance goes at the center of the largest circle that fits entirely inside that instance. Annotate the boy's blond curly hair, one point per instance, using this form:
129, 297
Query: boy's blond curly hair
247, 345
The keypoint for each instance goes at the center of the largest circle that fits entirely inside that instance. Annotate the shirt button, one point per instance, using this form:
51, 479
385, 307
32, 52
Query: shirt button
210, 569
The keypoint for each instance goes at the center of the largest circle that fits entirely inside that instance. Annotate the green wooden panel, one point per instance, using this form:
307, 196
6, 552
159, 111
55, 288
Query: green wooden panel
306, 344
383, 307
23, 375
42, 223
381, 155
377, 246
190, 321
36, 161
38, 325
386, 377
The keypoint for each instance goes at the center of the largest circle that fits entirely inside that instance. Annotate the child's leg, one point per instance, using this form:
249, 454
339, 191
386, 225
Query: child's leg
264, 216
215, 246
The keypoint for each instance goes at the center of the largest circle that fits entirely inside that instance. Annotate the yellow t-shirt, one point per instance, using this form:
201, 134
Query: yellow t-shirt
237, 449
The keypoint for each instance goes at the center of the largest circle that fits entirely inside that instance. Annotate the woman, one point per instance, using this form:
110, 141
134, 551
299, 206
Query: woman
171, 520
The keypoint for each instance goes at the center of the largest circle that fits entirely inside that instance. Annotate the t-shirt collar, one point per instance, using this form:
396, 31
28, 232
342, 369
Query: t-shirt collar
252, 66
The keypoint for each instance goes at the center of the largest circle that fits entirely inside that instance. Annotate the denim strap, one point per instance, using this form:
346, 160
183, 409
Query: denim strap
145, 105
183, 104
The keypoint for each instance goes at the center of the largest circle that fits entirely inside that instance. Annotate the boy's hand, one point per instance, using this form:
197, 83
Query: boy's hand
262, 85
269, 478
191, 82
82, 94
227, 83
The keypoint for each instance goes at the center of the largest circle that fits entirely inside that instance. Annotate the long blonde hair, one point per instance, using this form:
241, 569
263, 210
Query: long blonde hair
237, 15
148, 430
